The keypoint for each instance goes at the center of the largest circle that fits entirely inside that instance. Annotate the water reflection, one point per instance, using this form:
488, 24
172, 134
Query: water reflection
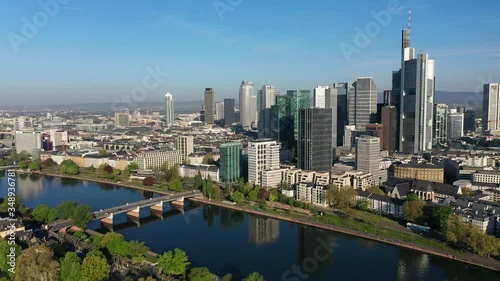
29, 187
315, 249
263, 230
230, 218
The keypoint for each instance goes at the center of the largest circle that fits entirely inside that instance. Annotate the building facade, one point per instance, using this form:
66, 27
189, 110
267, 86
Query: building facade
363, 103
246, 96
229, 116
440, 126
491, 108
390, 122
263, 154
319, 96
368, 154
169, 110
314, 144
209, 105
455, 124
266, 99
185, 144
152, 160
230, 161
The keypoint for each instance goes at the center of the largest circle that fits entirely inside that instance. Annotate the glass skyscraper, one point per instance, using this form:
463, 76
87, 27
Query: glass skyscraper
230, 161
169, 109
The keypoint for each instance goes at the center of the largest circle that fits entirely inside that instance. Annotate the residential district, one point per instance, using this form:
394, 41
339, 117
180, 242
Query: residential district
300, 142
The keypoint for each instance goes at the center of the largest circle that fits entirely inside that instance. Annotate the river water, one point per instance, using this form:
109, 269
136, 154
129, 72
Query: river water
233, 242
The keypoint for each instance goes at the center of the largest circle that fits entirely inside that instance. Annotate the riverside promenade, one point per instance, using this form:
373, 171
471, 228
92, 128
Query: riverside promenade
468, 258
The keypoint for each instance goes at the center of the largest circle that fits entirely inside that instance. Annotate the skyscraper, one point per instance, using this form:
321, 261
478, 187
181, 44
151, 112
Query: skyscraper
331, 102
266, 99
440, 123
263, 154
122, 119
363, 104
470, 121
368, 155
246, 94
390, 122
230, 161
376, 130
169, 109
416, 98
209, 106
491, 108
314, 143
229, 117
455, 124
219, 110
319, 96
342, 109
253, 112
298, 99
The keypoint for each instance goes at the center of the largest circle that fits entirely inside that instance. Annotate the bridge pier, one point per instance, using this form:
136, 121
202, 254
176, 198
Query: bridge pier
108, 220
139, 212
178, 203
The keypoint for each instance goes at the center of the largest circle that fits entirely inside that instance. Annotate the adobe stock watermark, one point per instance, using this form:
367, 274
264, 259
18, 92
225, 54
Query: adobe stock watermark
150, 82
321, 253
31, 26
223, 6
363, 37
476, 100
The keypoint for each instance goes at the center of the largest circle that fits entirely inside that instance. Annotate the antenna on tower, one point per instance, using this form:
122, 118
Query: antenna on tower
409, 23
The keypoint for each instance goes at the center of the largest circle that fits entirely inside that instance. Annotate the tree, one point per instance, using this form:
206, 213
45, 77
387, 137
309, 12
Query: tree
23, 164
263, 194
252, 195
413, 210
36, 264
48, 163
237, 197
103, 152
119, 247
364, 204
198, 181
467, 191
17, 204
227, 277
175, 185
132, 167
95, 268
91, 169
138, 249
82, 216
208, 159
342, 198
149, 278
147, 181
210, 185
66, 209
200, 274
35, 165
125, 174
2, 162
41, 213
375, 190
439, 218
5, 255
108, 169
255, 276
173, 263
69, 167
71, 268
110, 237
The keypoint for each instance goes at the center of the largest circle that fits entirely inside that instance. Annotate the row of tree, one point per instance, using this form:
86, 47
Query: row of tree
80, 214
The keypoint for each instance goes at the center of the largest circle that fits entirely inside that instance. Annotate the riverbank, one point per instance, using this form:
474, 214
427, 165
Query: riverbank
461, 257
122, 184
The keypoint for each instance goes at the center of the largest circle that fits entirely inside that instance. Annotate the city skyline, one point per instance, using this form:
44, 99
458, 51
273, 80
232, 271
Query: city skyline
63, 63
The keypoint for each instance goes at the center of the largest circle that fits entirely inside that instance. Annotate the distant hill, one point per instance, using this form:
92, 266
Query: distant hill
469, 99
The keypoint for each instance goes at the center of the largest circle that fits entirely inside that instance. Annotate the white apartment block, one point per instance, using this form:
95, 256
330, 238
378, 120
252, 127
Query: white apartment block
322, 178
190, 171
151, 160
486, 176
310, 193
304, 191
291, 176
272, 178
184, 144
357, 179
381, 203
263, 154
289, 192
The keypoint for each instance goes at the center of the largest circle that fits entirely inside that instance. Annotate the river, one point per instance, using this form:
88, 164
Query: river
233, 242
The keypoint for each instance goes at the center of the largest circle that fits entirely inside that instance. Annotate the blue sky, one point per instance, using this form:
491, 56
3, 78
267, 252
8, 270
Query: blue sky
98, 51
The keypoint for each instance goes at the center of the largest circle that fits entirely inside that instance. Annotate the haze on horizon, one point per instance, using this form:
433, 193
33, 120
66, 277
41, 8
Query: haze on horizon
95, 52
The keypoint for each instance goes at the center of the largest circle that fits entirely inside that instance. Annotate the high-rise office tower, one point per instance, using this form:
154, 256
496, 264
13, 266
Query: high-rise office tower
387, 97
246, 94
455, 124
491, 108
314, 143
331, 102
470, 121
229, 117
209, 106
169, 109
363, 104
253, 112
219, 110
185, 145
266, 99
319, 96
230, 161
416, 98
263, 154
298, 99
390, 122
440, 123
368, 154
343, 90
